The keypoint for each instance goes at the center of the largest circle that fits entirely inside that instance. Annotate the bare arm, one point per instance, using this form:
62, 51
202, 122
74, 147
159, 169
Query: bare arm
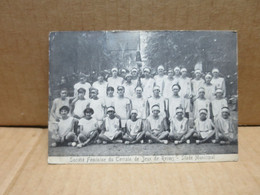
53, 109
147, 108
103, 126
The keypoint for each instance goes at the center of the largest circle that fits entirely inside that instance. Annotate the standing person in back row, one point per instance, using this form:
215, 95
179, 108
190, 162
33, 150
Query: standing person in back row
175, 101
201, 103
158, 100
135, 76
98, 106
122, 106
159, 79
218, 82
185, 91
109, 100
196, 83
129, 86
101, 86
63, 100
168, 82
209, 88
218, 103
79, 104
115, 80
139, 103
147, 83
177, 74
82, 84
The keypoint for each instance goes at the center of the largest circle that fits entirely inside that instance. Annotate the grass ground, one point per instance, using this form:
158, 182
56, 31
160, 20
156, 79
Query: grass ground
143, 149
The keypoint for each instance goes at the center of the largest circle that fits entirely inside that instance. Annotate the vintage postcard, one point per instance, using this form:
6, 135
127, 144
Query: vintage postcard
143, 97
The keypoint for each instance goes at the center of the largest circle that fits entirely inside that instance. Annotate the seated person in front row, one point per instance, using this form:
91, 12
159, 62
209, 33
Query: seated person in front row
225, 128
64, 134
134, 129
88, 128
179, 130
203, 127
156, 126
111, 127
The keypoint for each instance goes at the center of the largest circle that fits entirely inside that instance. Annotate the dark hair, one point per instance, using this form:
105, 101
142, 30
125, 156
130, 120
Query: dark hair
111, 107
110, 88
120, 87
88, 110
177, 86
82, 90
64, 89
64, 108
102, 74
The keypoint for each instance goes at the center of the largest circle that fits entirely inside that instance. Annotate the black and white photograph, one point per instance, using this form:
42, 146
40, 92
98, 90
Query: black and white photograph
142, 97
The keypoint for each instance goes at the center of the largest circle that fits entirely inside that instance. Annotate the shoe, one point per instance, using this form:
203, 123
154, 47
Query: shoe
98, 141
127, 142
104, 142
79, 145
197, 141
142, 141
73, 144
150, 141
222, 142
69, 144
54, 144
188, 141
213, 141
176, 142
118, 141
165, 142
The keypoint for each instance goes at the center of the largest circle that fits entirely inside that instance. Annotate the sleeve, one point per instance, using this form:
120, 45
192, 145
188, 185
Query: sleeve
147, 125
189, 87
128, 102
108, 81
75, 90
103, 125
172, 126
96, 124
224, 87
164, 125
225, 104
54, 107
212, 124
80, 122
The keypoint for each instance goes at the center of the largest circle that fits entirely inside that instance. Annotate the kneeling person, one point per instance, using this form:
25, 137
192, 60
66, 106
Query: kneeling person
88, 128
204, 127
225, 129
156, 126
64, 134
111, 127
134, 129
179, 130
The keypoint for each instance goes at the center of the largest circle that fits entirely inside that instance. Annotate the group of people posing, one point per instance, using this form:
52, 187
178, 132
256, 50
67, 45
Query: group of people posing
138, 108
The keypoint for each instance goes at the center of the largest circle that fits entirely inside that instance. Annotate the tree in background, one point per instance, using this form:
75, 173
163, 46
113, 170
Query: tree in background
187, 48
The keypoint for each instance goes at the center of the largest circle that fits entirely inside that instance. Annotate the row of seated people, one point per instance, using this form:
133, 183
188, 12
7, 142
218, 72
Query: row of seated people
73, 132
